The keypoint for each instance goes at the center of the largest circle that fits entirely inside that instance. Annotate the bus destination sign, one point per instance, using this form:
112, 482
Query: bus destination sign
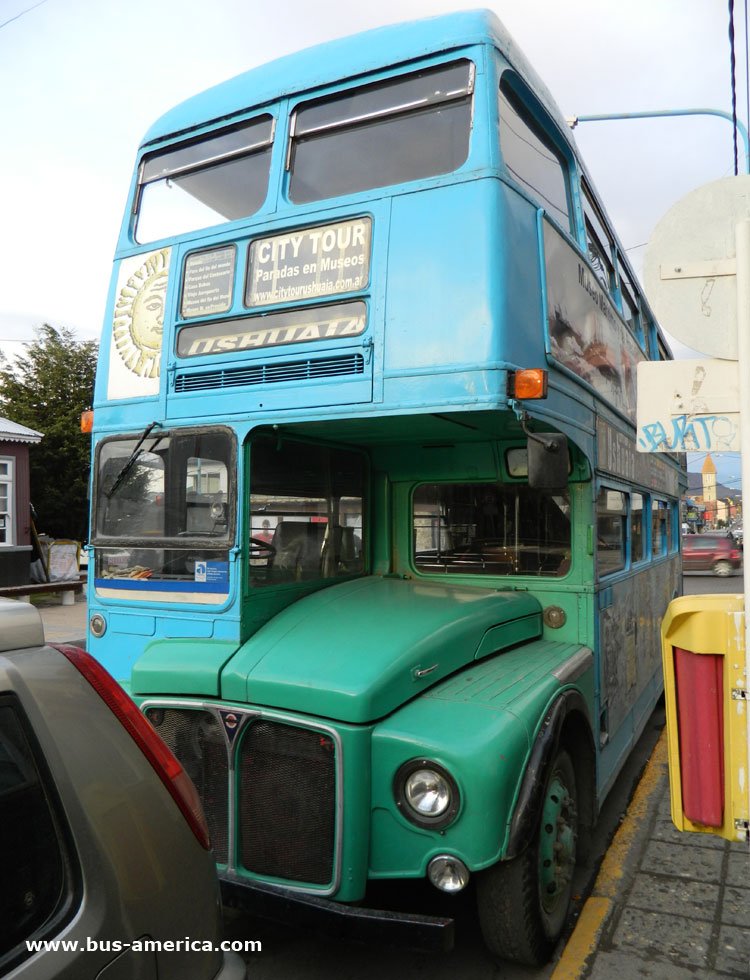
309, 263
312, 323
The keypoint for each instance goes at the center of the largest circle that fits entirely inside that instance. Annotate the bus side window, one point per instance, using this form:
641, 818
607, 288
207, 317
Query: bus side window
405, 128
661, 527
629, 303
637, 530
531, 157
599, 242
611, 527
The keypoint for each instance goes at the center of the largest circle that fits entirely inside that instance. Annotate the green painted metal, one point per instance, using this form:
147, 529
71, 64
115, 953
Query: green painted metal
508, 635
181, 667
357, 651
480, 725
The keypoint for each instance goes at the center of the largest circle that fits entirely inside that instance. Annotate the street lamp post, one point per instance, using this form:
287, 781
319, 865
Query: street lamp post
659, 113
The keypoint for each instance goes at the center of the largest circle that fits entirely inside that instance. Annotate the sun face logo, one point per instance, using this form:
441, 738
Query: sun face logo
138, 322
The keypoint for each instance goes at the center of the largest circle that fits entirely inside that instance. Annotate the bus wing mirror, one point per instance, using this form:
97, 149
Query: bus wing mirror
549, 464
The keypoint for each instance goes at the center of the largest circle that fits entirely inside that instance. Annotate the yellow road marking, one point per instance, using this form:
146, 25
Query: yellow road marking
594, 914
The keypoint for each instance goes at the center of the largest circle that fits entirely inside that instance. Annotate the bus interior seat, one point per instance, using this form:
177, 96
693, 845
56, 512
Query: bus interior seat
297, 546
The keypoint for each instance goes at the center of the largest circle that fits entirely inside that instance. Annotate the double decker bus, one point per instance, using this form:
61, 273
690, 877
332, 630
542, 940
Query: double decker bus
373, 549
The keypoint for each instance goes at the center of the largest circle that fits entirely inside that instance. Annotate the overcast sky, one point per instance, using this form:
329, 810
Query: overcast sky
82, 80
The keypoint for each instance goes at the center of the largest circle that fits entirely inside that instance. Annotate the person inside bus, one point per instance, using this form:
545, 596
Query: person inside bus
265, 534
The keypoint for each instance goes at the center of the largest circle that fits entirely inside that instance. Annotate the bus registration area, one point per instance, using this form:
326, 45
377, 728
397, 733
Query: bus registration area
702, 294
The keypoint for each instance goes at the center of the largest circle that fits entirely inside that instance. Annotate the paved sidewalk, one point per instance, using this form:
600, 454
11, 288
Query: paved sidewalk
666, 905
62, 624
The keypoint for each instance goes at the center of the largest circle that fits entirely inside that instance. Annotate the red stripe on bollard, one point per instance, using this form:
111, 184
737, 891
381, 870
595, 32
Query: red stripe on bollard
699, 683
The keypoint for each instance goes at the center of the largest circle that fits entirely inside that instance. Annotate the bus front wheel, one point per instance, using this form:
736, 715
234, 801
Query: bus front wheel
523, 903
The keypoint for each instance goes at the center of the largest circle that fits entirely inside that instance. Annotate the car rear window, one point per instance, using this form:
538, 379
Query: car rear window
36, 882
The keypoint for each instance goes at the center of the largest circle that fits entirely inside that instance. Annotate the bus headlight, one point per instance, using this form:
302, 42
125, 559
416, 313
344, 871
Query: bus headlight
426, 793
97, 625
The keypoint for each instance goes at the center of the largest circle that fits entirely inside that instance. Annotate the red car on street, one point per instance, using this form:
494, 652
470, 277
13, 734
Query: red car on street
710, 553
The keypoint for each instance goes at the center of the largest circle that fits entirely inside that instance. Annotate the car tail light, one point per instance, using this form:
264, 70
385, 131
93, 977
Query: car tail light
734, 554
166, 766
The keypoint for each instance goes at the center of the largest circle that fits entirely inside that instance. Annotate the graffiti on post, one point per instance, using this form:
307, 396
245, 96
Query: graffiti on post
690, 433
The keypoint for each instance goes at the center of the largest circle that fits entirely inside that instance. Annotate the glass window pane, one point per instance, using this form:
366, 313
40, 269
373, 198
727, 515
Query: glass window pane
610, 531
402, 94
489, 529
163, 509
532, 159
31, 851
661, 527
598, 241
637, 535
418, 127
306, 512
200, 153
629, 301
201, 198
6, 502
170, 486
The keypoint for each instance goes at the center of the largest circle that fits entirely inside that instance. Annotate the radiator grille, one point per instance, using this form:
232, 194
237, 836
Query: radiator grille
287, 801
262, 374
197, 739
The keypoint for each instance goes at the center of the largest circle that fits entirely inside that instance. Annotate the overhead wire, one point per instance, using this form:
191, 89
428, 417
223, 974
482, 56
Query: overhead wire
21, 13
732, 65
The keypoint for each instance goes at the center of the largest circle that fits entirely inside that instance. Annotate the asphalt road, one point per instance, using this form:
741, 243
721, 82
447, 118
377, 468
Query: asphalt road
703, 583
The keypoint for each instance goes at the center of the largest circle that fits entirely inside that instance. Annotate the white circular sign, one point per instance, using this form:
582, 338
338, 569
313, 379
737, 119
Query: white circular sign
689, 262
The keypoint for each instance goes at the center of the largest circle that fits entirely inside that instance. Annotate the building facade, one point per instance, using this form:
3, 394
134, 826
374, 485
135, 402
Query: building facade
15, 502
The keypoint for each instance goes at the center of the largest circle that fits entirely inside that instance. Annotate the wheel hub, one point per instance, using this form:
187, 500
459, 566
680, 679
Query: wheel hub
557, 844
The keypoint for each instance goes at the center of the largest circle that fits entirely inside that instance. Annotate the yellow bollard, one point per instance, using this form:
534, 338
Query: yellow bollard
706, 692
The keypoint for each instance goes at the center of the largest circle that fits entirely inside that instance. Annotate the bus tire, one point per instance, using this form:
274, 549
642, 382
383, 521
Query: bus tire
523, 903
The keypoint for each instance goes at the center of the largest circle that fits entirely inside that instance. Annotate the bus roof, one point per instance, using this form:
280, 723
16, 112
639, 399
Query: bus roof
347, 57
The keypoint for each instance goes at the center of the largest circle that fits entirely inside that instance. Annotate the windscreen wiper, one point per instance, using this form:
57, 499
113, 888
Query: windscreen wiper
128, 466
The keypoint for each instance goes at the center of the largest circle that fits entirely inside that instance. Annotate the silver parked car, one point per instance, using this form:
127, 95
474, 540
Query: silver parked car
105, 866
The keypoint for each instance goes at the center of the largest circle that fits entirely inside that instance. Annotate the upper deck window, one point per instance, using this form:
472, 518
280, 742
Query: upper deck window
628, 295
204, 182
395, 131
531, 157
598, 241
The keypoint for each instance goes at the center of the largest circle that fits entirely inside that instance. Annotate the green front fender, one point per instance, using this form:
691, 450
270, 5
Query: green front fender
482, 725
485, 755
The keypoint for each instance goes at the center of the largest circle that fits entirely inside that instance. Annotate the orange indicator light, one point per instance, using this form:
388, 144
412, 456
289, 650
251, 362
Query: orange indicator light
87, 420
530, 383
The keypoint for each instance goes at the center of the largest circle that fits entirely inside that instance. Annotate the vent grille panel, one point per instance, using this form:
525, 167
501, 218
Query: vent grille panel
197, 739
265, 374
287, 802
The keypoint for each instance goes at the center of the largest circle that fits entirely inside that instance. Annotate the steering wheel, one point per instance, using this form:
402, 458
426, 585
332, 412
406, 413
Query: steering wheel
260, 549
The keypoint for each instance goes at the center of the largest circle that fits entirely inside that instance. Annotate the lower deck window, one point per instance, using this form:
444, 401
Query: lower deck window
490, 529
164, 514
306, 512
611, 514
661, 528
637, 536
